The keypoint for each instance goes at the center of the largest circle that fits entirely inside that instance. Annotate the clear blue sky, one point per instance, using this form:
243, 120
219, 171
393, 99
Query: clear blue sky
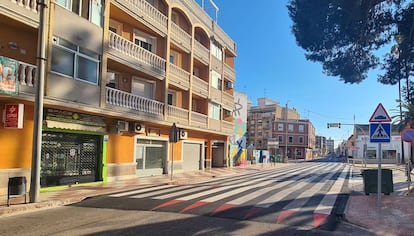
270, 64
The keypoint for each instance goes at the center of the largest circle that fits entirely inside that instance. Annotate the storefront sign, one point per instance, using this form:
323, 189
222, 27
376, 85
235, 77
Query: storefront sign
74, 117
13, 117
8, 76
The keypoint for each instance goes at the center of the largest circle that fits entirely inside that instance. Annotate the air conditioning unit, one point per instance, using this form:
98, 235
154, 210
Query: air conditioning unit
123, 126
139, 128
183, 134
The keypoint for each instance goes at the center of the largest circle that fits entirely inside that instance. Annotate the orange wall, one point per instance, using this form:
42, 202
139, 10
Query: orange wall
120, 149
16, 144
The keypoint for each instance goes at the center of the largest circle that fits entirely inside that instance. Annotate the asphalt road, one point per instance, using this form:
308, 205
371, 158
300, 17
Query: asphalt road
260, 203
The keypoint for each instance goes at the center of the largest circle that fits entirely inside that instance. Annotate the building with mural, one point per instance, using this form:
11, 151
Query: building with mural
238, 140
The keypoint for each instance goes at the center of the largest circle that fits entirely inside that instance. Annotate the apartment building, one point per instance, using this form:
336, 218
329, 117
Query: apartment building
321, 147
118, 75
271, 122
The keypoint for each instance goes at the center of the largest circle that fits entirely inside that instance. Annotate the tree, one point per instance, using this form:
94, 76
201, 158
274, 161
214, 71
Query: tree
346, 36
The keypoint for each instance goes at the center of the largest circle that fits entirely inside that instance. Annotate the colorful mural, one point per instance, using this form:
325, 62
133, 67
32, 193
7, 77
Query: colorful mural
238, 140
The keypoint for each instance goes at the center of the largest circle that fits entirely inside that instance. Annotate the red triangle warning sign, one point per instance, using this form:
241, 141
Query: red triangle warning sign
380, 115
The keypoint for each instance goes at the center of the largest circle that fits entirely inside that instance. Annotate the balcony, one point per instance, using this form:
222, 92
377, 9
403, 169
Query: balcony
180, 37
126, 52
200, 87
229, 73
122, 100
198, 120
227, 127
145, 13
228, 101
179, 77
21, 10
201, 53
177, 115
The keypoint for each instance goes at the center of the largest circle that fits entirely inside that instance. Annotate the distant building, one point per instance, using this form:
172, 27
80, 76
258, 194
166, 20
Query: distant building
269, 122
320, 145
330, 145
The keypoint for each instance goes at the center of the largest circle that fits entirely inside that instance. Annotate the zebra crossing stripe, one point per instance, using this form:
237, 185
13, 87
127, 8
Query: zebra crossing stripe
324, 209
140, 191
266, 203
190, 197
175, 194
300, 201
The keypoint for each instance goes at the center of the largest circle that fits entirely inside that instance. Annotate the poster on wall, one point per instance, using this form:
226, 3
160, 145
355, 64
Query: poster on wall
8, 76
13, 116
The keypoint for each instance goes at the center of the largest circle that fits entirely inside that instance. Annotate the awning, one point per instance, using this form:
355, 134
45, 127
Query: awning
73, 126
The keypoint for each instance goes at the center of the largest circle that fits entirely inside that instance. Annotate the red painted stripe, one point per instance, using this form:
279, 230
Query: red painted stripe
253, 211
194, 205
283, 215
169, 203
223, 207
319, 218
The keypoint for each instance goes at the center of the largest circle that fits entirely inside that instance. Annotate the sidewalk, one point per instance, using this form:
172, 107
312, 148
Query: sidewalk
395, 218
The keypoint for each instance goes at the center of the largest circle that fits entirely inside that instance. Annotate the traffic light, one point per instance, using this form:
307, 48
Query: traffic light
328, 125
339, 125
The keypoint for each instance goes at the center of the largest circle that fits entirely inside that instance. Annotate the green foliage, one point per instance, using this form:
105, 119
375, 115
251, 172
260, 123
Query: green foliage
344, 36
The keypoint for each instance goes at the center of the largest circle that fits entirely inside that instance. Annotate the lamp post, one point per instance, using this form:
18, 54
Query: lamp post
286, 131
38, 110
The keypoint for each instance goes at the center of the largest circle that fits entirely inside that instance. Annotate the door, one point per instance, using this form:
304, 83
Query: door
150, 157
192, 156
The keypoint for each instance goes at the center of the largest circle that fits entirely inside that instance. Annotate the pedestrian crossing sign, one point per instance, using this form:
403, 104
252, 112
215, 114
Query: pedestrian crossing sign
380, 132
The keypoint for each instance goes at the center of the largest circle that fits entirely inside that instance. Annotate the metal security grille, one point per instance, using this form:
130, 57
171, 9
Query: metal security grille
69, 158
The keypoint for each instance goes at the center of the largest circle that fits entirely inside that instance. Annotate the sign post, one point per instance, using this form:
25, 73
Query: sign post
173, 138
380, 132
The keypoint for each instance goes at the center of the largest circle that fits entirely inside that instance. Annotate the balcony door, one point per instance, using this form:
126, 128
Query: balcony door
143, 88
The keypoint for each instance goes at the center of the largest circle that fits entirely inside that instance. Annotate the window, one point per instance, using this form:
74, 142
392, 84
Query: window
298, 152
216, 80
290, 139
280, 127
73, 61
301, 139
171, 97
216, 51
290, 128
112, 79
301, 128
143, 40
174, 56
214, 111
88, 9
143, 88
280, 137
115, 26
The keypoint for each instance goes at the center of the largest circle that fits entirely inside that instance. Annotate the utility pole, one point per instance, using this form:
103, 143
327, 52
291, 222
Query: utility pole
38, 110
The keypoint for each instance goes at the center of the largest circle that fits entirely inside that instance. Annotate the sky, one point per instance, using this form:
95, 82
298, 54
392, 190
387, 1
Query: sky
270, 64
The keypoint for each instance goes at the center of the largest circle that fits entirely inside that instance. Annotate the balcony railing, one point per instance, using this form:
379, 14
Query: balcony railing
228, 100
200, 87
127, 100
142, 55
179, 77
198, 119
229, 72
28, 4
26, 74
201, 52
176, 114
227, 127
180, 37
150, 13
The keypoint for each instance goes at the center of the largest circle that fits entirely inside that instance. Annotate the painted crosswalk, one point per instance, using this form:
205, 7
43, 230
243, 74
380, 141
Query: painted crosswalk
272, 195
